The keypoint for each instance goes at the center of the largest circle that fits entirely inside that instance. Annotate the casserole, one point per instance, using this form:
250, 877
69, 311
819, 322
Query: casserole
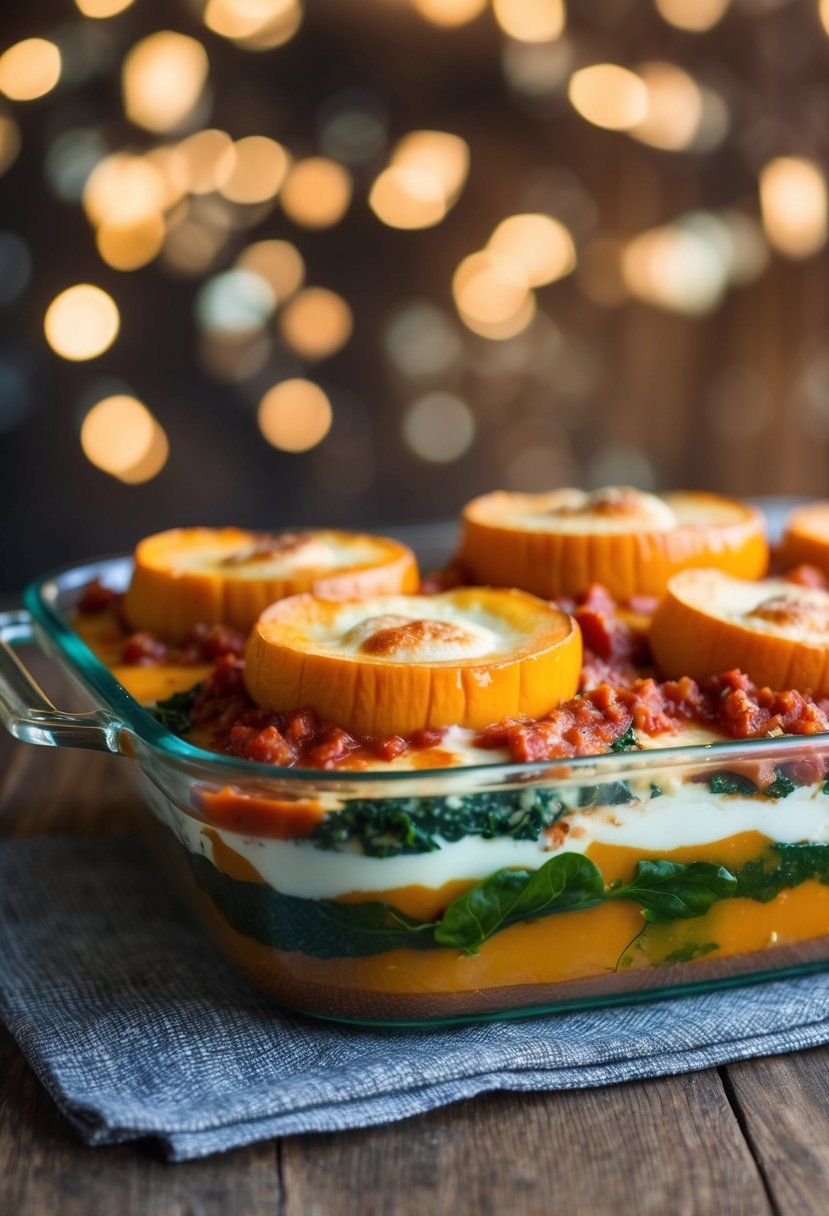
430, 894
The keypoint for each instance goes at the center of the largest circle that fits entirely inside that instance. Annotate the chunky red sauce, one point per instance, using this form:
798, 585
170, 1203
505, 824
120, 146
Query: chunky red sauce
619, 691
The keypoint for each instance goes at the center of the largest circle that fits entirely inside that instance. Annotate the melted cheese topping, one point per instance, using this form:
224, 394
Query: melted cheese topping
273, 556
392, 628
613, 510
776, 607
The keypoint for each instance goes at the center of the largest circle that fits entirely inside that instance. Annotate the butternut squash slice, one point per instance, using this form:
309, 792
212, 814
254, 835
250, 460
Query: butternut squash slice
806, 538
393, 665
560, 542
776, 632
190, 576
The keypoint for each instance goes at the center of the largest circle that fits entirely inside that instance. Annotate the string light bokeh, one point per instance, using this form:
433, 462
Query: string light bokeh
273, 262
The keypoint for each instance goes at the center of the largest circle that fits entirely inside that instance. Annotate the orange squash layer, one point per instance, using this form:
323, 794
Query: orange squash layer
104, 636
556, 949
411, 671
726, 535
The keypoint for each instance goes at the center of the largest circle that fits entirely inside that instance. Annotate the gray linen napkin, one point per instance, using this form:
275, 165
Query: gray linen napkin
137, 1027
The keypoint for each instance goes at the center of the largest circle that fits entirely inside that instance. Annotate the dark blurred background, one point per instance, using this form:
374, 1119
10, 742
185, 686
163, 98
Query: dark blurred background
270, 262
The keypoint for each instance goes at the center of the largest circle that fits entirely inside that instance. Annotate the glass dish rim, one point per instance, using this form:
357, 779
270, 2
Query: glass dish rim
40, 596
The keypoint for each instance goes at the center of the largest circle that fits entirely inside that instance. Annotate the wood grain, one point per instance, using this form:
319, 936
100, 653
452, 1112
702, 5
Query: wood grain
669, 1145
782, 1103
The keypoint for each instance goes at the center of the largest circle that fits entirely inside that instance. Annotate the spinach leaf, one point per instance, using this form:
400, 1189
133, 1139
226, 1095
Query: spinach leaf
782, 867
670, 890
731, 783
387, 827
176, 712
562, 884
782, 786
627, 742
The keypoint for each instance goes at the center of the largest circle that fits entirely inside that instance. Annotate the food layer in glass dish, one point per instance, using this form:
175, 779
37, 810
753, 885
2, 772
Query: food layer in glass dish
469, 871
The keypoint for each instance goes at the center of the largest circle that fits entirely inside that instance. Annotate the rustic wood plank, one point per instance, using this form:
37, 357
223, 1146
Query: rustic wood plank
782, 1104
667, 1145
45, 1170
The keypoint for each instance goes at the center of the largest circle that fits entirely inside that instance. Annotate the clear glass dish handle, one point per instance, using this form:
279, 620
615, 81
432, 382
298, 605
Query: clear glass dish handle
26, 711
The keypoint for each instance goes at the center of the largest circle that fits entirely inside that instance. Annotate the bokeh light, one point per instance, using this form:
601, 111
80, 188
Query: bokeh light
449, 13
609, 96
316, 323
123, 190
531, 20
541, 246
422, 341
29, 69
162, 78
695, 15
102, 8
81, 323
129, 247
439, 427
426, 174
15, 266
793, 200
295, 415
679, 267
252, 170
235, 302
121, 437
675, 107
256, 25
201, 155
317, 192
278, 263
492, 295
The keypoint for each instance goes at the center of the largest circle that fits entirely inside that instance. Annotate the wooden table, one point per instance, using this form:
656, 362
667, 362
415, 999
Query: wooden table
750, 1138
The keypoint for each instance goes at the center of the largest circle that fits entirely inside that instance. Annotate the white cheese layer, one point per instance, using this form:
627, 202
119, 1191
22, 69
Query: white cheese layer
689, 817
613, 511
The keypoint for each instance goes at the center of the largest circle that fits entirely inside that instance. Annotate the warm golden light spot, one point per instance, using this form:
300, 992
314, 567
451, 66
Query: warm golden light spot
694, 15
436, 154
81, 323
124, 190
102, 8
202, 154
823, 12
316, 323
531, 20
129, 248
426, 174
793, 203
254, 24
252, 170
677, 267
675, 107
279, 263
120, 436
407, 198
172, 165
541, 245
317, 192
29, 69
9, 142
609, 96
162, 80
295, 415
449, 13
489, 289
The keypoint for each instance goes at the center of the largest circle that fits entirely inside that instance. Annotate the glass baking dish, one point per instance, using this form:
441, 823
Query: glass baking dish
489, 890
